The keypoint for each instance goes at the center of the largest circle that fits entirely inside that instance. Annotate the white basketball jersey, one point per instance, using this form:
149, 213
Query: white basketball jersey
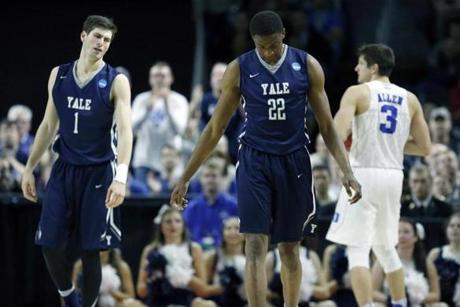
380, 133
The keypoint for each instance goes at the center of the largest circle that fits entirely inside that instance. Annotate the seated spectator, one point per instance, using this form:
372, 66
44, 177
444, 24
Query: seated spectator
225, 266
440, 124
10, 168
421, 276
171, 269
205, 214
421, 202
159, 117
313, 287
447, 261
207, 104
325, 204
337, 276
117, 288
22, 116
442, 189
171, 168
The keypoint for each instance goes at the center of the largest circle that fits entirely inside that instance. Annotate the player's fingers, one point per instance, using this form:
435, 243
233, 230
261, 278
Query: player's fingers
30, 193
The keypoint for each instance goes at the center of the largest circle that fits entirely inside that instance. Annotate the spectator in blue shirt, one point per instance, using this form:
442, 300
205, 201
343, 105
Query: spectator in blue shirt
205, 214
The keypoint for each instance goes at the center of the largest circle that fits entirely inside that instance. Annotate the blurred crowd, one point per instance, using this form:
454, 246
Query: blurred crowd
197, 257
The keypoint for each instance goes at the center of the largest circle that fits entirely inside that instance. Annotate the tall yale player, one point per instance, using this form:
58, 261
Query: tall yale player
274, 181
78, 216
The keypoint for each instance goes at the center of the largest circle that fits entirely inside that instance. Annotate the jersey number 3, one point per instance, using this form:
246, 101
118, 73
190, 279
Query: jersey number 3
276, 109
390, 121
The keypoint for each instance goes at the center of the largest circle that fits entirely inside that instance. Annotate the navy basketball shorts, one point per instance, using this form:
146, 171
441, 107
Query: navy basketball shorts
74, 214
275, 194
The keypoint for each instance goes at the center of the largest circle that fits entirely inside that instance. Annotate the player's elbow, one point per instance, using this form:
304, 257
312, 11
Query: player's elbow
425, 148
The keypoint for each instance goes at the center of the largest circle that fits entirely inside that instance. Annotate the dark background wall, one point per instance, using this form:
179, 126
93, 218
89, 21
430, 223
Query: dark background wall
36, 37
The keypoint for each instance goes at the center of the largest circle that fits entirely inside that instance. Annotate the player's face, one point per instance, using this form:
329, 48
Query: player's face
363, 70
407, 235
453, 230
172, 225
270, 47
232, 233
97, 42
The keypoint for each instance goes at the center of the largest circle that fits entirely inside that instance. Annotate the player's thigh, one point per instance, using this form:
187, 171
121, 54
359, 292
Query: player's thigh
99, 226
254, 192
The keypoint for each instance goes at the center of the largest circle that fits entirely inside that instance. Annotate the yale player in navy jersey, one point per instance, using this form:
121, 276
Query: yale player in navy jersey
386, 122
86, 98
274, 181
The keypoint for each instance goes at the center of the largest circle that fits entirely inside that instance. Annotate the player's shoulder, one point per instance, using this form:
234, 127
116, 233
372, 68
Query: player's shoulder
357, 92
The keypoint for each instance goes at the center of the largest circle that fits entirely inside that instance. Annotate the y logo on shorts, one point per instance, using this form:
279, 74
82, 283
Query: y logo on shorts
313, 227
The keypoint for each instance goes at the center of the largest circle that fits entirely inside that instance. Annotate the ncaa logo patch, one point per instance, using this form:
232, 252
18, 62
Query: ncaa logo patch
102, 83
295, 66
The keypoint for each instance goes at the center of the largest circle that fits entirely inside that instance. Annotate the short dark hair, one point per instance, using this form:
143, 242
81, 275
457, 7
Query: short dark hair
98, 21
379, 54
265, 23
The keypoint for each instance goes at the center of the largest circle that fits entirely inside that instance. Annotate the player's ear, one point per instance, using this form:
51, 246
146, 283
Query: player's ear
283, 33
83, 35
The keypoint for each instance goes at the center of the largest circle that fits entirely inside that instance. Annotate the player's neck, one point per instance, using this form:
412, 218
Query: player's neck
85, 65
383, 79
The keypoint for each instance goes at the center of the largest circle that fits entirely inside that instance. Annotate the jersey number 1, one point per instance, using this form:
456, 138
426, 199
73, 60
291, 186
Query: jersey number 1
75, 126
389, 125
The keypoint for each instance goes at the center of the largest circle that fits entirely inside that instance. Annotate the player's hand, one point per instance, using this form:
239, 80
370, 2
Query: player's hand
352, 187
28, 186
178, 199
115, 194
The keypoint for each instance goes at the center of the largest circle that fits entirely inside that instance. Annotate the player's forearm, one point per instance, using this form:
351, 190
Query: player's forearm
125, 145
414, 149
43, 138
335, 147
206, 143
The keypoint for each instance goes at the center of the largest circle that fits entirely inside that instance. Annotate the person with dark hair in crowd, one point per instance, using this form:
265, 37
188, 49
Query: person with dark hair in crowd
386, 121
79, 215
117, 287
225, 266
277, 83
10, 168
447, 261
171, 268
421, 276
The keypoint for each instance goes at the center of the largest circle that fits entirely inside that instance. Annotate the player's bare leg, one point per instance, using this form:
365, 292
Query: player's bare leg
396, 284
291, 272
255, 275
361, 283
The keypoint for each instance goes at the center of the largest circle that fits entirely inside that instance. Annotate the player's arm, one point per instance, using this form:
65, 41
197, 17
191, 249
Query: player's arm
226, 106
43, 138
347, 111
320, 105
122, 100
420, 143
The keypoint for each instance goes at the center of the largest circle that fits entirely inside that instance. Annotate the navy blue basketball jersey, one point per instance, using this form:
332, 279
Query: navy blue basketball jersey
275, 103
86, 134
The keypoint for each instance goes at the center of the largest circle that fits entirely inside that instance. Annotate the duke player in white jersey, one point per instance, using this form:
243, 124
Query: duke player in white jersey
277, 84
386, 122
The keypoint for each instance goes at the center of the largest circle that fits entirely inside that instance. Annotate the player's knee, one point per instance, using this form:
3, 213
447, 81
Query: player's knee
358, 256
289, 254
256, 247
388, 258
